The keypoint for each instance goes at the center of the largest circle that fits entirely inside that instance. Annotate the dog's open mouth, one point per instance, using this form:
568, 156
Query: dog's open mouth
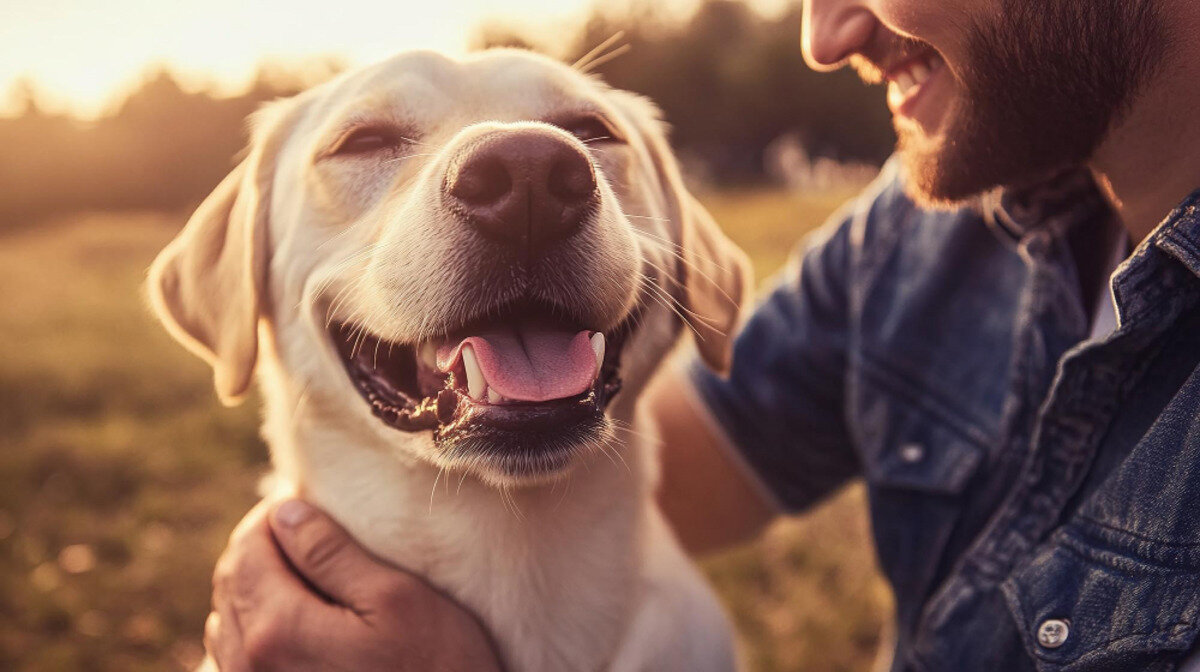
520, 377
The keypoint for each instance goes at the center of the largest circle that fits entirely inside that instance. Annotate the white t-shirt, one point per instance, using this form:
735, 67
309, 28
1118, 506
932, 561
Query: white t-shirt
1104, 316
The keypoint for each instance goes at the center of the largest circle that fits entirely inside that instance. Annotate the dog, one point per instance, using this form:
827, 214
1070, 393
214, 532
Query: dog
466, 270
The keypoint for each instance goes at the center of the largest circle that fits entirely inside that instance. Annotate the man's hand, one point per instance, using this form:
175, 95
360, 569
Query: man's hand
294, 592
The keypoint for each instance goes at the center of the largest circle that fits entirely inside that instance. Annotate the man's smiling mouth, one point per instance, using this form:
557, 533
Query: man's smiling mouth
905, 81
919, 90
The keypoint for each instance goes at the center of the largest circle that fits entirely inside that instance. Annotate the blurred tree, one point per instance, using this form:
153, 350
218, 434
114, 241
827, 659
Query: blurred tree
161, 147
729, 80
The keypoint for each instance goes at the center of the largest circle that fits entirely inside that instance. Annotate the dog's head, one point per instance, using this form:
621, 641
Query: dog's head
466, 260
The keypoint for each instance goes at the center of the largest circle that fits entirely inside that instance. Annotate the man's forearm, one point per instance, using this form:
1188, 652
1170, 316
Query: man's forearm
709, 501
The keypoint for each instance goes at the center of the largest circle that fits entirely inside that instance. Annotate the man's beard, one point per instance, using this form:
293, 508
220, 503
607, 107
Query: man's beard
1043, 86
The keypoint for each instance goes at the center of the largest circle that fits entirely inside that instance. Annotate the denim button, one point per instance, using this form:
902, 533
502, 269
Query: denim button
912, 453
1053, 633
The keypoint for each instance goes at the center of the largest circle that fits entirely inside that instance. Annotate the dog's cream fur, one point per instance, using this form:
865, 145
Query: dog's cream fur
577, 571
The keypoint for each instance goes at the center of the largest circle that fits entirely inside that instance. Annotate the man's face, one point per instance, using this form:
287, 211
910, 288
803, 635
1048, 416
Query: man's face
989, 93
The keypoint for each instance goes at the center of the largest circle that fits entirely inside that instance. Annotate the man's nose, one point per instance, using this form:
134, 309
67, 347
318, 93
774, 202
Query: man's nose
833, 30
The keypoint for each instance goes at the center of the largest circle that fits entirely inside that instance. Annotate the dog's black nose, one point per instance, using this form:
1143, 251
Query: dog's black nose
527, 188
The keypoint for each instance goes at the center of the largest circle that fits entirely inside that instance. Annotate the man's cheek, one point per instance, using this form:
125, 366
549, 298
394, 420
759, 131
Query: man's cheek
943, 24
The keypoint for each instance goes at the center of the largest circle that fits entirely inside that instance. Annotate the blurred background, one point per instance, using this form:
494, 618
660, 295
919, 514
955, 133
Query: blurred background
120, 474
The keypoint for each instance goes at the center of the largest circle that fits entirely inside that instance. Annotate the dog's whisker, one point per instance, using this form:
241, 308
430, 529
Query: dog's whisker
610, 452
566, 491
511, 505
605, 58
657, 441
301, 401
692, 265
341, 297
334, 275
433, 490
669, 304
676, 249
654, 219
408, 156
692, 315
582, 62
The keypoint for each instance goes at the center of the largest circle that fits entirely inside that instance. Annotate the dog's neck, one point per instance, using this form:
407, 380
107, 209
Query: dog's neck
530, 561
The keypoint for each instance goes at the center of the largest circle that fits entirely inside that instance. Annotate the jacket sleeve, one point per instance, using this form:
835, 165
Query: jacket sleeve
783, 405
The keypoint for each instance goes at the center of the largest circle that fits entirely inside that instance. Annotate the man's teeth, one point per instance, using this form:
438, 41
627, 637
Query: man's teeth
920, 72
476, 384
915, 74
598, 348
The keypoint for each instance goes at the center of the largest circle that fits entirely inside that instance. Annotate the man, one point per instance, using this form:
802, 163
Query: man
1030, 439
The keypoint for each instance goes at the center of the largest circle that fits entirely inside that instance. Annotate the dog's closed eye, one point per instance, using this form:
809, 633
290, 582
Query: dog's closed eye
367, 140
591, 129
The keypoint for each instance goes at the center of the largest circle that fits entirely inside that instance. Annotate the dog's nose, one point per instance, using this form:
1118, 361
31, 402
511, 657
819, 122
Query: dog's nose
528, 188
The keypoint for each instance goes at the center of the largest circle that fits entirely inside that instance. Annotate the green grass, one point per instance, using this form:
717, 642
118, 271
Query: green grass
121, 476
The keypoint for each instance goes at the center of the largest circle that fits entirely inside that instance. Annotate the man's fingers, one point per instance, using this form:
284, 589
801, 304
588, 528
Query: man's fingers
262, 608
325, 554
252, 571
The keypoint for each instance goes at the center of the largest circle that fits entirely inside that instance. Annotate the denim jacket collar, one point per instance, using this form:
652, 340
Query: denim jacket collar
1069, 196
1179, 233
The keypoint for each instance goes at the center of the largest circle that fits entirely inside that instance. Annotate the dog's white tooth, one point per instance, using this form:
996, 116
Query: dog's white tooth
475, 380
494, 397
598, 348
427, 353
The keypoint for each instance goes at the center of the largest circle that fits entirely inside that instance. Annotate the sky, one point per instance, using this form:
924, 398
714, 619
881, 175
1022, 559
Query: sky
82, 54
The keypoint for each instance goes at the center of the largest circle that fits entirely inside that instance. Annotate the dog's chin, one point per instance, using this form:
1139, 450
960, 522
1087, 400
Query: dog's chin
455, 385
525, 443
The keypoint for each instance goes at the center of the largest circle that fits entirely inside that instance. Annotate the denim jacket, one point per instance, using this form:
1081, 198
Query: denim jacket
1034, 495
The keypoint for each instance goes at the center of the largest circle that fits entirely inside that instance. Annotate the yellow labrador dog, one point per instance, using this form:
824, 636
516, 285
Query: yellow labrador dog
453, 278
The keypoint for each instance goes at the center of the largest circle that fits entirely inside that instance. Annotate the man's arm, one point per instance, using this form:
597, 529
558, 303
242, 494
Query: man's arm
710, 500
771, 437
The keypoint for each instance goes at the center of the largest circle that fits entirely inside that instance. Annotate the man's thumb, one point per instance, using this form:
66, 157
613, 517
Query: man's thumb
324, 553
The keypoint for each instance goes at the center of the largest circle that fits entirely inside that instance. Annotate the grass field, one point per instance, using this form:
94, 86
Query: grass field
120, 474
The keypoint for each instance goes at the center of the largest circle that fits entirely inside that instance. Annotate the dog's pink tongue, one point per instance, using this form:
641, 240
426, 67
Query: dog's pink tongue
531, 364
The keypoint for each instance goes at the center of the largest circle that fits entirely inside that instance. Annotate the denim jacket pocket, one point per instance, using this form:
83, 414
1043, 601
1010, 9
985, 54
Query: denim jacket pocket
1088, 603
907, 445
917, 466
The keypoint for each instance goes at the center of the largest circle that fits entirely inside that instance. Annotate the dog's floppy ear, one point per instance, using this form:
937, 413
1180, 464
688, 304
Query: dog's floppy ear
714, 274
717, 281
208, 285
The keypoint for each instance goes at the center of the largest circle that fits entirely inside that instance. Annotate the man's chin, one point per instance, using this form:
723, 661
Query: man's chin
934, 178
956, 163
